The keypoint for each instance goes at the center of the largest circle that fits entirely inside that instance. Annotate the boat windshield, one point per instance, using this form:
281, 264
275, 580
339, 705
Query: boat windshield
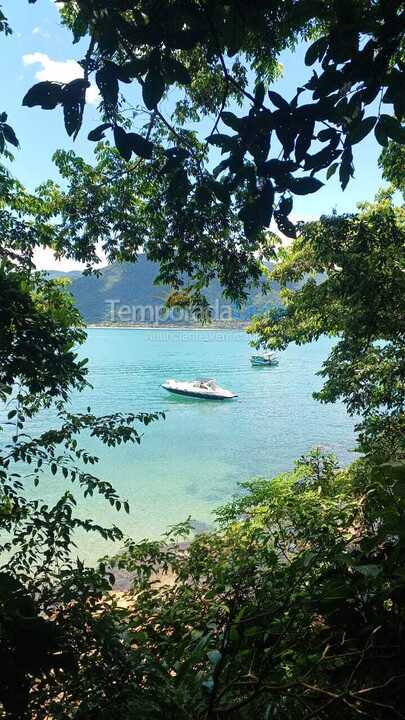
205, 383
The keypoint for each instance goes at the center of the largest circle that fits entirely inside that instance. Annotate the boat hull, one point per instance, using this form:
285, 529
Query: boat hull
264, 363
199, 396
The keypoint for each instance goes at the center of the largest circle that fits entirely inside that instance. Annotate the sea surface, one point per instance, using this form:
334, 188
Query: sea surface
193, 461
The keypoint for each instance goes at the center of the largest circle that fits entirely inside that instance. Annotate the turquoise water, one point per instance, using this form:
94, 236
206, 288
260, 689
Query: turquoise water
192, 461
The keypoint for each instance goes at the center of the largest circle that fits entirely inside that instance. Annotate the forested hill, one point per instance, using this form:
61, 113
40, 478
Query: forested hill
131, 285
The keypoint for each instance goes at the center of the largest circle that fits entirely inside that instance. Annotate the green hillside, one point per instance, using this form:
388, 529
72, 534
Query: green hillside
125, 292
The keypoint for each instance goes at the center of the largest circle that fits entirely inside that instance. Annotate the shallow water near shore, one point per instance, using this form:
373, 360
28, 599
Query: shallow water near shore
192, 462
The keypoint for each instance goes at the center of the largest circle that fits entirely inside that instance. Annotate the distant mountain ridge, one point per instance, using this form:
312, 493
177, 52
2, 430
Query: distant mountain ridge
125, 293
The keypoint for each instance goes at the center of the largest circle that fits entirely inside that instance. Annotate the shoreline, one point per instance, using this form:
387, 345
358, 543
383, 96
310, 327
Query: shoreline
180, 328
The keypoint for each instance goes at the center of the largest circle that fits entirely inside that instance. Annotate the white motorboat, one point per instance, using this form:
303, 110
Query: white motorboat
264, 359
200, 388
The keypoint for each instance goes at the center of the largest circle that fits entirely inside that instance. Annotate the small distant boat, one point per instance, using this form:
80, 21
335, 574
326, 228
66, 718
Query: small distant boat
200, 388
264, 359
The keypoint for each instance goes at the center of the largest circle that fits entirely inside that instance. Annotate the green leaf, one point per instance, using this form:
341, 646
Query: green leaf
214, 656
153, 89
369, 570
331, 170
208, 685
316, 51
360, 129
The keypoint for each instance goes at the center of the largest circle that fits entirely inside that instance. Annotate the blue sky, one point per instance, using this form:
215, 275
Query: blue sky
40, 48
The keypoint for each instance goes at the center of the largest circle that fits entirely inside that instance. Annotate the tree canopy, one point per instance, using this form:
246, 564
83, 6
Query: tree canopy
212, 54
351, 269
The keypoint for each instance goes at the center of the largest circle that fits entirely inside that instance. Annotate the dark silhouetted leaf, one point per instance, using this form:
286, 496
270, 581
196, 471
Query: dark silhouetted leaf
135, 68
286, 136
10, 135
380, 134
122, 143
153, 89
331, 170
260, 91
321, 159
359, 131
203, 195
276, 168
285, 205
284, 224
220, 168
346, 170
107, 83
226, 142
305, 186
393, 128
141, 147
98, 132
279, 101
231, 120
177, 72
265, 203
220, 191
75, 91
316, 51
328, 134
79, 28
72, 117
45, 94
303, 142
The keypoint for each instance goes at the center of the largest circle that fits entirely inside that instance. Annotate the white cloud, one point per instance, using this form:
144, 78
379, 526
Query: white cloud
41, 33
44, 259
63, 72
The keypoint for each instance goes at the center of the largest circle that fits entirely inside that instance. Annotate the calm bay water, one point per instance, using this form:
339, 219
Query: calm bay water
192, 462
